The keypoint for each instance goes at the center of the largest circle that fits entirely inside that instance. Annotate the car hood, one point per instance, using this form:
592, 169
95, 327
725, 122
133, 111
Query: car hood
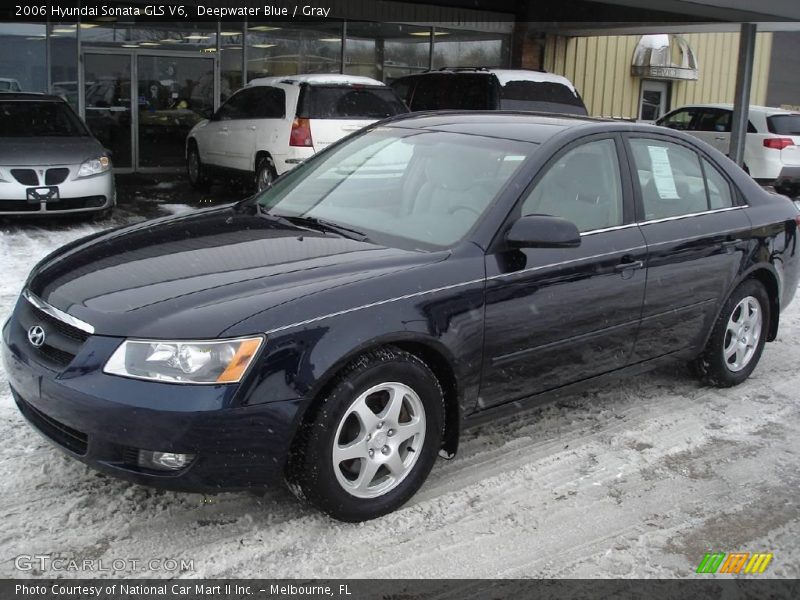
200, 275
15, 151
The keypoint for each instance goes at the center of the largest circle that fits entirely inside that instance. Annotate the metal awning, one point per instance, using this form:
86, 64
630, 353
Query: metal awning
664, 56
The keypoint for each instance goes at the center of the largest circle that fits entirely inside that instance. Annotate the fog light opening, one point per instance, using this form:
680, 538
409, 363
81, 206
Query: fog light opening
163, 461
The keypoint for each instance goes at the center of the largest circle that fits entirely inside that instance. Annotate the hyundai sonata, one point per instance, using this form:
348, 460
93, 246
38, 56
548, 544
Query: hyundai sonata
341, 328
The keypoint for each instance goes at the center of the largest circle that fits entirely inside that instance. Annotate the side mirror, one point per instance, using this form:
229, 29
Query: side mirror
543, 231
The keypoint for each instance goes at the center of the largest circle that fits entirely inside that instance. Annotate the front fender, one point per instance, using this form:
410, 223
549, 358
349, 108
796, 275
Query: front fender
301, 361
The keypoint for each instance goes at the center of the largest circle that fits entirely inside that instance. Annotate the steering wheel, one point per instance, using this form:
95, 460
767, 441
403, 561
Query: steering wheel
457, 207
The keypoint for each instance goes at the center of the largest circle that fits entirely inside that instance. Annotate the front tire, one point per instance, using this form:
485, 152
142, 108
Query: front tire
738, 337
372, 440
198, 178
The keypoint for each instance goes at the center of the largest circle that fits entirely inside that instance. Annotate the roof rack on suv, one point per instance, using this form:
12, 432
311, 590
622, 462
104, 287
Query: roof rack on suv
487, 69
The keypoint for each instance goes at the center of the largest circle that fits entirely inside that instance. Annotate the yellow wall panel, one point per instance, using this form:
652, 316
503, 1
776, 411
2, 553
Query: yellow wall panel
600, 67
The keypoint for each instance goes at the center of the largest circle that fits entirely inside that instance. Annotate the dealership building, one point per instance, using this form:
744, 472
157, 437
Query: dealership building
140, 84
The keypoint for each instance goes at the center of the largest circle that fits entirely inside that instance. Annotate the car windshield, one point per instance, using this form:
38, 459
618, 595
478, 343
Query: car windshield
548, 96
349, 102
26, 118
784, 124
410, 188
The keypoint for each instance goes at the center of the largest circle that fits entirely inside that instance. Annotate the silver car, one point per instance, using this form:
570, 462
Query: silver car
49, 161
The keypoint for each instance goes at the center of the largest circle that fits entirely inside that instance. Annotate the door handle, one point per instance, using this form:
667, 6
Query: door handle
252, 128
629, 265
719, 139
223, 130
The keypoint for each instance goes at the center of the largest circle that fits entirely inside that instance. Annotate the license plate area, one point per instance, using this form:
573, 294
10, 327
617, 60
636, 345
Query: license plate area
43, 194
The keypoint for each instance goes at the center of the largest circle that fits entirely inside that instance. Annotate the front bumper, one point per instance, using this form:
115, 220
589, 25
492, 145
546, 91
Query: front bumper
104, 420
87, 194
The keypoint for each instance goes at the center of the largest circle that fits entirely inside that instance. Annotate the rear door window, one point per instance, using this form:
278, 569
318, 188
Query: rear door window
349, 102
461, 91
673, 182
547, 96
670, 179
784, 124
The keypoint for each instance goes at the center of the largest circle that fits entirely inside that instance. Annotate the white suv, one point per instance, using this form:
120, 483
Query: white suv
275, 123
772, 149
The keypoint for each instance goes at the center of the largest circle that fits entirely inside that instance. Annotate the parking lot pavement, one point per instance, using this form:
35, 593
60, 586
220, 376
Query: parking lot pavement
637, 479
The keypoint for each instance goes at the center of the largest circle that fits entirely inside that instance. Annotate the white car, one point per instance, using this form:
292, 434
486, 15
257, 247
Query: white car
274, 123
9, 85
772, 149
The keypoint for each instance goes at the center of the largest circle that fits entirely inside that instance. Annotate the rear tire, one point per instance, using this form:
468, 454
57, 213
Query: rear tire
198, 178
373, 438
737, 340
265, 173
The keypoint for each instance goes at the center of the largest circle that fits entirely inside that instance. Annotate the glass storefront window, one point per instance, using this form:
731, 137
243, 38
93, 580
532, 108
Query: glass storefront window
169, 105
23, 59
164, 37
64, 60
460, 48
274, 50
231, 40
386, 51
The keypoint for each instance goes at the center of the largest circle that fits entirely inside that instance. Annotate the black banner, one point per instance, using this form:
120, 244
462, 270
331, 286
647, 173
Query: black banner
394, 589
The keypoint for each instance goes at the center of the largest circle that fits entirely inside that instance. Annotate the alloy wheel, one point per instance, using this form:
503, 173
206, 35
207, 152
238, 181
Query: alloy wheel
378, 440
742, 334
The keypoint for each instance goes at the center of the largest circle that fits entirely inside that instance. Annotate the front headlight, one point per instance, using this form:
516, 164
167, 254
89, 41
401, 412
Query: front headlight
94, 166
212, 361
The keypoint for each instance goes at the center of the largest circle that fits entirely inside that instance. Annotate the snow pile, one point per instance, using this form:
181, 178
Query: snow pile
637, 479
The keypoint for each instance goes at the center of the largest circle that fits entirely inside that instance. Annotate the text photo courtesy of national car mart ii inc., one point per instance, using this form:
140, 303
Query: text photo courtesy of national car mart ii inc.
199, 11
177, 590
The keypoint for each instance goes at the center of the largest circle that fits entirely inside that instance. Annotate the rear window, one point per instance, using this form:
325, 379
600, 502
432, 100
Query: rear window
39, 119
349, 102
453, 92
784, 124
548, 96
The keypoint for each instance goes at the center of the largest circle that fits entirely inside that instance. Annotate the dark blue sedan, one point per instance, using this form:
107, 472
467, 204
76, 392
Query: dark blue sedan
341, 328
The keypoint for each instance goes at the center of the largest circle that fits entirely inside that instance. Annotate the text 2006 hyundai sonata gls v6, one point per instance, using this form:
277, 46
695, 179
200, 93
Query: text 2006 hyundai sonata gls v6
339, 329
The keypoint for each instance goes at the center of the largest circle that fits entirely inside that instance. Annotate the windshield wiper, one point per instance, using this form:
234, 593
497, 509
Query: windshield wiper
325, 225
262, 212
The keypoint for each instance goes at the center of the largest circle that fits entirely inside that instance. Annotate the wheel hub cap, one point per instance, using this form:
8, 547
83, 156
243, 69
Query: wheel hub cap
378, 440
742, 334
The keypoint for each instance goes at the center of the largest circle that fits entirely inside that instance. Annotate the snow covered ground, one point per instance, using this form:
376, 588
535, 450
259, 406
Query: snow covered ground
637, 479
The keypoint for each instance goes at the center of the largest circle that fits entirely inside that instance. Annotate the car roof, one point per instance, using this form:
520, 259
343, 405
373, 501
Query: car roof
505, 76
754, 108
30, 96
317, 79
513, 125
